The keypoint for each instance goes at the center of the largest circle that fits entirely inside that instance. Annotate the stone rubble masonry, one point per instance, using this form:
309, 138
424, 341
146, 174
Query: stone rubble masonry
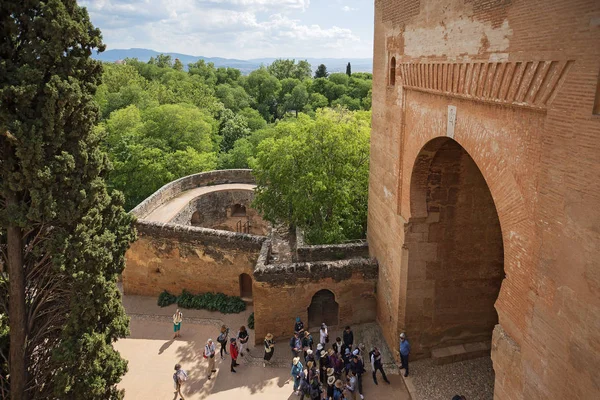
172, 189
176, 257
523, 76
329, 252
283, 292
173, 257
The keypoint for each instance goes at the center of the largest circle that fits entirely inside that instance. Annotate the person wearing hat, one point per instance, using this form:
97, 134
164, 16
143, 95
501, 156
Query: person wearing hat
330, 382
299, 327
295, 345
233, 349
346, 359
307, 343
335, 361
297, 369
315, 389
209, 354
377, 365
338, 389
269, 349
323, 334
323, 364
177, 318
179, 377
318, 355
358, 368
404, 352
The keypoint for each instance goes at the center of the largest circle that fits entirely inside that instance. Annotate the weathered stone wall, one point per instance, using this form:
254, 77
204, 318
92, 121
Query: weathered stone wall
523, 77
283, 292
329, 252
172, 189
176, 257
214, 211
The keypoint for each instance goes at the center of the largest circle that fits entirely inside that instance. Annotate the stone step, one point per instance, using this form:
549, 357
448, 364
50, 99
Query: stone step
461, 352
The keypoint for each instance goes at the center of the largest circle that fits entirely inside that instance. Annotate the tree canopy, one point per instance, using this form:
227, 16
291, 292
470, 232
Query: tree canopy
313, 173
63, 234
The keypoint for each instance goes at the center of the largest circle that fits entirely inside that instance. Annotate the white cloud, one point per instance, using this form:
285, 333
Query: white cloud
347, 9
224, 28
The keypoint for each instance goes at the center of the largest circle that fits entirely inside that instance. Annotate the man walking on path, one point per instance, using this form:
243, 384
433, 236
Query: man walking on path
404, 353
358, 368
348, 338
179, 377
233, 349
177, 318
297, 369
377, 364
209, 354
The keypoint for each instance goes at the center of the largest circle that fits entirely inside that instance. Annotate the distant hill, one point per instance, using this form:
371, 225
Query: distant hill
246, 66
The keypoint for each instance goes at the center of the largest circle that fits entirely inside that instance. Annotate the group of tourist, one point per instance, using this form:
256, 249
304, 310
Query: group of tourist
332, 371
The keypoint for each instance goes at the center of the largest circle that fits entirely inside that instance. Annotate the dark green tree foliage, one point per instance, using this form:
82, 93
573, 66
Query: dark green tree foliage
63, 235
314, 173
321, 71
348, 70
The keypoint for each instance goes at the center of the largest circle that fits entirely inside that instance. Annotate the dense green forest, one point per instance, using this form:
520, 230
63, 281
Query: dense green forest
162, 122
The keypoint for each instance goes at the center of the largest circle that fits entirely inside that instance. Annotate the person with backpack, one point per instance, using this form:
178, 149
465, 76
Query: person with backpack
299, 327
338, 390
233, 349
223, 339
269, 349
179, 377
315, 389
243, 337
377, 364
297, 370
295, 345
350, 390
307, 343
177, 318
209, 355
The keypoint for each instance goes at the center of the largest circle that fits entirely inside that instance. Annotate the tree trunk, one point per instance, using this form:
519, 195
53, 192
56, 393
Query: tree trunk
16, 312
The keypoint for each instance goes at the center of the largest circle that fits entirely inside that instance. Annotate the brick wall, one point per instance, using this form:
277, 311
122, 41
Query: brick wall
538, 154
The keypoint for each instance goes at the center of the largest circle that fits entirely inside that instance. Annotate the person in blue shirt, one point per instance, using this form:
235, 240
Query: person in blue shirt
404, 353
296, 372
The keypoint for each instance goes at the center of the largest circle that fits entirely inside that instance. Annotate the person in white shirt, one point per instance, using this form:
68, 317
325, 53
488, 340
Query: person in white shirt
177, 318
179, 377
377, 364
323, 334
209, 354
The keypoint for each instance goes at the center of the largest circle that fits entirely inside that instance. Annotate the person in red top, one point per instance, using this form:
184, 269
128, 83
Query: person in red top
233, 349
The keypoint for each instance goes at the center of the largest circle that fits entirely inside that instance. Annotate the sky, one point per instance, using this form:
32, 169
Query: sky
242, 29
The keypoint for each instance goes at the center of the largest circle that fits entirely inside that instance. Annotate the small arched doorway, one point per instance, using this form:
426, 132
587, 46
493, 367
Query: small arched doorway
196, 218
245, 286
323, 308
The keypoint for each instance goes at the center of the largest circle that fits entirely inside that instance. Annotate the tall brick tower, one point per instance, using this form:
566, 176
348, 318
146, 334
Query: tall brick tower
484, 197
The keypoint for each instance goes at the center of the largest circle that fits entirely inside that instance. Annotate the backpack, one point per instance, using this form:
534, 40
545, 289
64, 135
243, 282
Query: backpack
221, 338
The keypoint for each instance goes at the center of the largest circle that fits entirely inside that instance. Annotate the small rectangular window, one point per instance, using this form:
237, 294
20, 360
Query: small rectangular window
597, 101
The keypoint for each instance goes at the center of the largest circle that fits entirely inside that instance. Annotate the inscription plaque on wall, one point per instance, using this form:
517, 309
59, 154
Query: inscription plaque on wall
451, 121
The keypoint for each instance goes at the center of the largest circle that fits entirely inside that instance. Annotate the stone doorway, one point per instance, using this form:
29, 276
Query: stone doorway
323, 308
245, 286
455, 255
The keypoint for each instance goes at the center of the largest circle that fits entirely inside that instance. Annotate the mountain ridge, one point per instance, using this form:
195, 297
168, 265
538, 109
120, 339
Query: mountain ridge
246, 66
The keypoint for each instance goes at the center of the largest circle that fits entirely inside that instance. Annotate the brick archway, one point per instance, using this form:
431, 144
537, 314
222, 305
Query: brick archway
455, 250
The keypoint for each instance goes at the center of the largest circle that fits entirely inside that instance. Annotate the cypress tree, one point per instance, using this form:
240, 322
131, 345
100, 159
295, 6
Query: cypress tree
348, 70
63, 235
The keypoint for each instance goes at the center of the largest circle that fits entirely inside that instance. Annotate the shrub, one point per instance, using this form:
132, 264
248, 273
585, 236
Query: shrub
166, 299
205, 301
251, 321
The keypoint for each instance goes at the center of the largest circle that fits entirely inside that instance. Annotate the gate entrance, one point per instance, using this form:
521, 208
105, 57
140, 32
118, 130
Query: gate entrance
323, 308
245, 286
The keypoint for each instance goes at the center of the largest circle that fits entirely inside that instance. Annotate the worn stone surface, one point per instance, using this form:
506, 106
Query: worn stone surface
329, 252
176, 257
524, 84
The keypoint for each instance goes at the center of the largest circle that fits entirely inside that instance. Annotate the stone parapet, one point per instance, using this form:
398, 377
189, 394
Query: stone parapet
329, 252
172, 189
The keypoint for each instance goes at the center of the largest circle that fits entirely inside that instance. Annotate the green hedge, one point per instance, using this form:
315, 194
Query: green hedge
205, 301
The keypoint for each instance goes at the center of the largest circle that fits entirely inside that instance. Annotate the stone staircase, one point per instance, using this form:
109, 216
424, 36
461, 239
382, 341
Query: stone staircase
461, 352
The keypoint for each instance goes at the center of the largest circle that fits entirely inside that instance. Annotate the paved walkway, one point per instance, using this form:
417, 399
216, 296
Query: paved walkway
170, 209
152, 354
